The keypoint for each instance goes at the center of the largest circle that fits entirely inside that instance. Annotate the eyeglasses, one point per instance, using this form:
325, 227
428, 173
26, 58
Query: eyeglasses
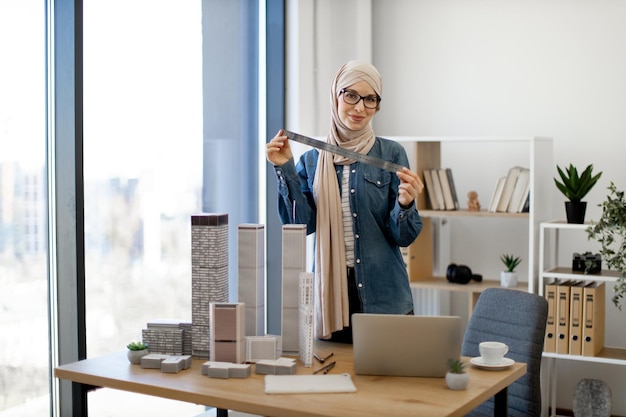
351, 97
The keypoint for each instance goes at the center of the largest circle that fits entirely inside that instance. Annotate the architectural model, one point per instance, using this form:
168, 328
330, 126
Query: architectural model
228, 334
251, 268
225, 369
267, 347
306, 318
280, 366
293, 263
166, 363
209, 275
171, 337
235, 332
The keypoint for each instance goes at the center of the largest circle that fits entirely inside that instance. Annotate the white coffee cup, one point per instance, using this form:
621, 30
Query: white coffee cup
492, 352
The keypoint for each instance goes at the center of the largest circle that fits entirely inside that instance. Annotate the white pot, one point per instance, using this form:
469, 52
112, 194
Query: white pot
134, 356
457, 382
508, 279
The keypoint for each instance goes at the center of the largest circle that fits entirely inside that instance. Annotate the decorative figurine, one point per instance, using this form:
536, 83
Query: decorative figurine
472, 203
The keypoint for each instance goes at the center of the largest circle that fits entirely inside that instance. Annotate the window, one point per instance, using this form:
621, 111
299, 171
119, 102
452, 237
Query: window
142, 175
24, 389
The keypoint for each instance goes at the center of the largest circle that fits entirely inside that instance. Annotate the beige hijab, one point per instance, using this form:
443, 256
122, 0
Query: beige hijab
331, 301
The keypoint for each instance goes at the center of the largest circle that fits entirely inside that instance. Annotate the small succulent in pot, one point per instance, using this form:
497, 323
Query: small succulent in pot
137, 346
456, 366
456, 377
510, 261
136, 350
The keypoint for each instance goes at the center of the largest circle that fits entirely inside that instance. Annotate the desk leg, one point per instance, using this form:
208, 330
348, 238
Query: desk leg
220, 412
501, 403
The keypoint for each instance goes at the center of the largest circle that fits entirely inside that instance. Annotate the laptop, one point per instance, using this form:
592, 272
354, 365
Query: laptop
405, 345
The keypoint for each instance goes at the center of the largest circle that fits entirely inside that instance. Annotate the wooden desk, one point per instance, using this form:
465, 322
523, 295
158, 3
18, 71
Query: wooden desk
375, 396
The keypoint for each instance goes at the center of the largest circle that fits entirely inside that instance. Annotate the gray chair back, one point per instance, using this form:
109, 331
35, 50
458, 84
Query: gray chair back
518, 319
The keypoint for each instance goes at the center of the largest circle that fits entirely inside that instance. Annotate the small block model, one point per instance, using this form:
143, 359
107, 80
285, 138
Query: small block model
280, 366
225, 370
153, 360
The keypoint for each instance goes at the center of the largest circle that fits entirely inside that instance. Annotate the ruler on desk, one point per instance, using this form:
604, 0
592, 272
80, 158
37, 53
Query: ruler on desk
337, 150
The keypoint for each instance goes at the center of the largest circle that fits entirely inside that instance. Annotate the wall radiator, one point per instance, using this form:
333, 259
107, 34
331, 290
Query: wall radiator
430, 302
427, 301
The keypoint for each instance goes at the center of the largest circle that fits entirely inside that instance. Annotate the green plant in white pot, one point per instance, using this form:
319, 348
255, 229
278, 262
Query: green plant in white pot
136, 351
508, 277
456, 377
575, 187
610, 232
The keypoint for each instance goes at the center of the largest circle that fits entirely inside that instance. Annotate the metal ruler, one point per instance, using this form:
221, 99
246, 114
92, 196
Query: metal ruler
366, 159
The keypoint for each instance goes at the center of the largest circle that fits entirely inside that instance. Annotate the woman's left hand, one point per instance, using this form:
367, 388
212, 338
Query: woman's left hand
410, 187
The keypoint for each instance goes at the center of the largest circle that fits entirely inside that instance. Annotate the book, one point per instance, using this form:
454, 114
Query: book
438, 190
445, 187
428, 181
522, 187
507, 190
495, 197
455, 197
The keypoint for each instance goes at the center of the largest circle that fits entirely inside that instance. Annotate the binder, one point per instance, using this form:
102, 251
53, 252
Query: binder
593, 318
563, 293
575, 318
550, 294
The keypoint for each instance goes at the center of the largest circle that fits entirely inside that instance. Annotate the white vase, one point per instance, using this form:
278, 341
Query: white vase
457, 382
508, 279
134, 356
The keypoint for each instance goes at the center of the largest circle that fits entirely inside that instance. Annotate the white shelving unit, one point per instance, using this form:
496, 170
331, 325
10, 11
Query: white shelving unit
532, 152
549, 270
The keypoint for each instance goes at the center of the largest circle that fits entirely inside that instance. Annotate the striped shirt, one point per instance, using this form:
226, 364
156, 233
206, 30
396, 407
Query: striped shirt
348, 233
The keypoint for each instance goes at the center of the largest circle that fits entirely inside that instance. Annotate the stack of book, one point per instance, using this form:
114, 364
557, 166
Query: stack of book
512, 192
575, 324
440, 189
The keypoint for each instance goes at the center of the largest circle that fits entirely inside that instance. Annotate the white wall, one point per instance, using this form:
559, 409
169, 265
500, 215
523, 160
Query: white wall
482, 68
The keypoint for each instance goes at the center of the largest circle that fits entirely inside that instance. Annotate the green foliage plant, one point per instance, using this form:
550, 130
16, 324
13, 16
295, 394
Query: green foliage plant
137, 346
510, 261
573, 186
456, 366
610, 232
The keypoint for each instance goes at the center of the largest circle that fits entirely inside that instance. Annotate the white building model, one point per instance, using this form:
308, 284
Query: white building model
251, 282
293, 263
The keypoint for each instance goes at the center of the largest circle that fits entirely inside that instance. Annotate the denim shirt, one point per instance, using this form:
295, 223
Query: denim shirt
380, 225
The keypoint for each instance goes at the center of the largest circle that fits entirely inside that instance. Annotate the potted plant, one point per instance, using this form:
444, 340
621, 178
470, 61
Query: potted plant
136, 350
508, 277
456, 377
575, 187
610, 231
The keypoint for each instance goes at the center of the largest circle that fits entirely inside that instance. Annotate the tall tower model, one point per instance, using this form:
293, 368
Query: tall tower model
251, 267
294, 262
209, 275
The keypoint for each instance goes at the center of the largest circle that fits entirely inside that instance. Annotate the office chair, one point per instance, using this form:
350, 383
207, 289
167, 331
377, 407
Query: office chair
518, 319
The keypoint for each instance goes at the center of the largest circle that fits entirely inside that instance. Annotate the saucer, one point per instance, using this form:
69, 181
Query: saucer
505, 363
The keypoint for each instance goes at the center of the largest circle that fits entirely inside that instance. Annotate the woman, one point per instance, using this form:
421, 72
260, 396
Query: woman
361, 215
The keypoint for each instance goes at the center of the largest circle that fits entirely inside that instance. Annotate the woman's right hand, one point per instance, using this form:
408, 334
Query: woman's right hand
278, 150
